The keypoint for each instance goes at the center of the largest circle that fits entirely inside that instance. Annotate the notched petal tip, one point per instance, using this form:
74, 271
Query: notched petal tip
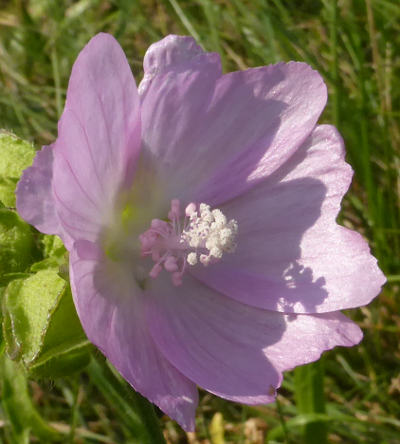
171, 50
329, 136
370, 277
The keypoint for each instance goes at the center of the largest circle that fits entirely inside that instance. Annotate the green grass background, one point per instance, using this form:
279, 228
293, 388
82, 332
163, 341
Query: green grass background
355, 45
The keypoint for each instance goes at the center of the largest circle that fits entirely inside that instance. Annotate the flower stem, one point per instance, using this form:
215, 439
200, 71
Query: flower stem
136, 413
309, 394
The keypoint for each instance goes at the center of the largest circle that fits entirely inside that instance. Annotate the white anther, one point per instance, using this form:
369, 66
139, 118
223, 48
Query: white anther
190, 209
211, 231
192, 258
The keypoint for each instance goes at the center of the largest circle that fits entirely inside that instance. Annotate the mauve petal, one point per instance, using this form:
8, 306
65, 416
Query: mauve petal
306, 337
291, 254
257, 120
111, 309
223, 132
35, 200
98, 137
177, 89
234, 350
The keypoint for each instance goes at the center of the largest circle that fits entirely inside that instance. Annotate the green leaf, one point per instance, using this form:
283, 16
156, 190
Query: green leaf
6, 278
50, 263
41, 327
15, 155
17, 243
55, 256
310, 400
301, 420
18, 406
53, 246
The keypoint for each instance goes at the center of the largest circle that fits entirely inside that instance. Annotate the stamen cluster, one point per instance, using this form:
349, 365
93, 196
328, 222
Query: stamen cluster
205, 235
210, 230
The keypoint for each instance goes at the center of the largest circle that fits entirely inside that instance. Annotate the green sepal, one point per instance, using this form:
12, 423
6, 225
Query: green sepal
66, 348
27, 308
41, 327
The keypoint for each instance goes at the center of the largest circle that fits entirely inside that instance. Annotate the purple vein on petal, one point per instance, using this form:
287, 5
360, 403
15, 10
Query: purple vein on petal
100, 182
62, 202
78, 182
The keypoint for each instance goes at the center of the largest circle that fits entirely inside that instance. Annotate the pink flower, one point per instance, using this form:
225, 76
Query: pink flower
199, 212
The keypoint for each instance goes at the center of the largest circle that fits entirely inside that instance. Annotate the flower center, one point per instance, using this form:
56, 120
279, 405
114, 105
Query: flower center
203, 235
